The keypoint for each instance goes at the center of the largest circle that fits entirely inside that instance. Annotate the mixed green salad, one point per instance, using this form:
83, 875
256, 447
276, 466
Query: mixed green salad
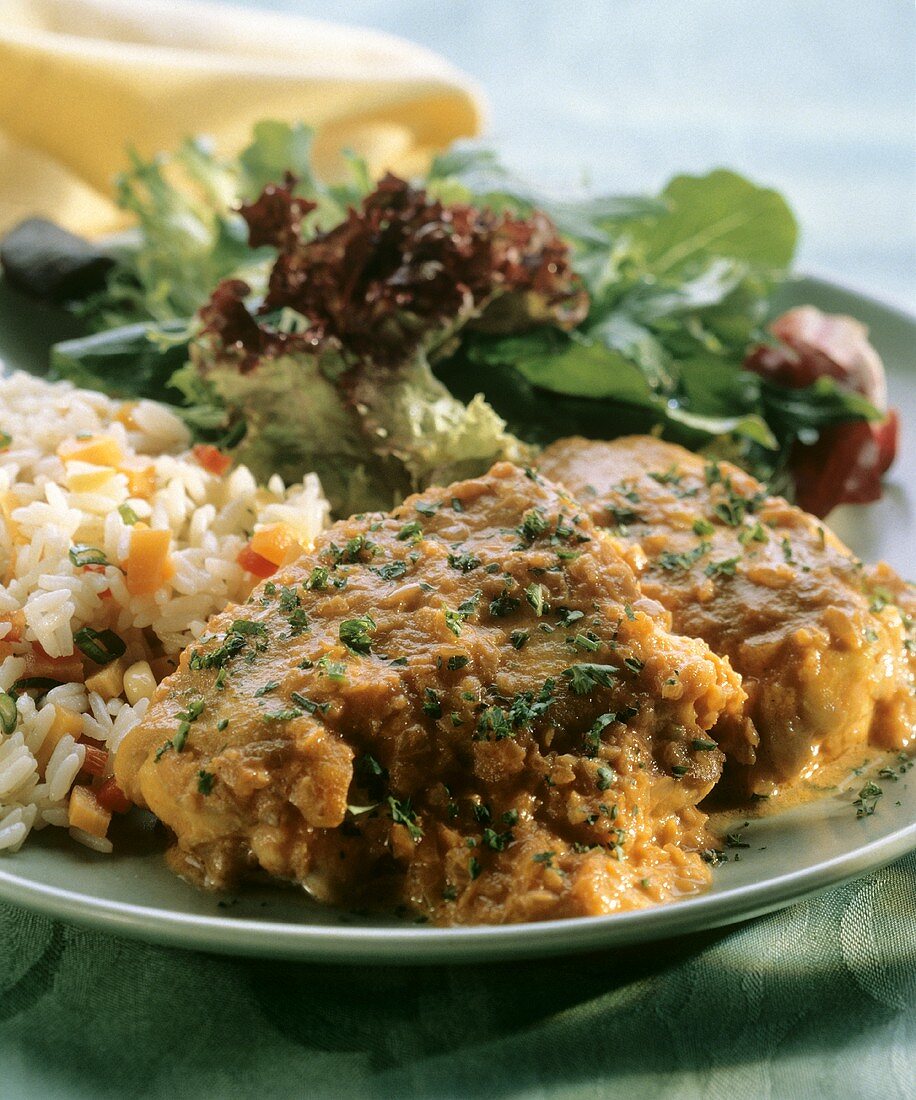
388, 334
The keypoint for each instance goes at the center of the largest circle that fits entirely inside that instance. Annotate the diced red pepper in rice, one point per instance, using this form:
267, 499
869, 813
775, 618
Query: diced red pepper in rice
252, 562
110, 797
212, 459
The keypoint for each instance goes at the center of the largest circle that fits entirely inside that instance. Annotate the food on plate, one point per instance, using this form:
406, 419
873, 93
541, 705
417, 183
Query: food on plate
464, 707
118, 541
825, 646
504, 699
441, 324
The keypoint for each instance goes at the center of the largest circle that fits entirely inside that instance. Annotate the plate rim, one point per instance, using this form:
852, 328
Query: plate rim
413, 944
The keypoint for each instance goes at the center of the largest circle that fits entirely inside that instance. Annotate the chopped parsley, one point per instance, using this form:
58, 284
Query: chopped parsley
724, 568
536, 595
205, 781
592, 738
356, 634
456, 662
584, 678
605, 778
267, 688
412, 531
403, 814
498, 842
672, 561
318, 578
544, 857
334, 670
703, 527
867, 801
464, 563
432, 704
309, 705
503, 604
518, 638
534, 523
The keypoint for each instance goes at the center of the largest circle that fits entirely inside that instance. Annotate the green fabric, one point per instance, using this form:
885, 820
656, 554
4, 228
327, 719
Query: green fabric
818, 1000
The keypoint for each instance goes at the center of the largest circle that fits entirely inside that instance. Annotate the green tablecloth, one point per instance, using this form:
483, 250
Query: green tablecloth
816, 1001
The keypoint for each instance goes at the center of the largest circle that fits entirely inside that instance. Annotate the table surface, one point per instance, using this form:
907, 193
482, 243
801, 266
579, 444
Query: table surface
815, 98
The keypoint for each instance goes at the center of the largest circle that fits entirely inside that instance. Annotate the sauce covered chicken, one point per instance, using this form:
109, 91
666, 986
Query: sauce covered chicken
825, 645
465, 707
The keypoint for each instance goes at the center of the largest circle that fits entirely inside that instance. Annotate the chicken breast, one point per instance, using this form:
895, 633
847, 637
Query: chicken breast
465, 707
824, 645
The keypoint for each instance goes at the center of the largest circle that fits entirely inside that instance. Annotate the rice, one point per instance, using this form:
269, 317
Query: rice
56, 499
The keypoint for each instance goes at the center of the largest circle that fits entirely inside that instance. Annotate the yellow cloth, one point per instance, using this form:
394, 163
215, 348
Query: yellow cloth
81, 80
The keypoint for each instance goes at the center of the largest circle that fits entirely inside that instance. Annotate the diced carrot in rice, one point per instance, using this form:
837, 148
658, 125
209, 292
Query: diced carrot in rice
149, 565
46, 751
125, 415
109, 680
87, 814
16, 619
69, 670
99, 450
276, 542
141, 480
95, 761
66, 722
83, 477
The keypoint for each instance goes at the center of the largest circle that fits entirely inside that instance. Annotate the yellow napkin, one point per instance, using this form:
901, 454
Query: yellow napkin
81, 80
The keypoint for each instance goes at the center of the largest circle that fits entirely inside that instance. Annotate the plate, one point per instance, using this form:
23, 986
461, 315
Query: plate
783, 857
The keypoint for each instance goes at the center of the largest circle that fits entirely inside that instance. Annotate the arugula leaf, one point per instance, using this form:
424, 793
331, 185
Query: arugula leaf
720, 214
129, 362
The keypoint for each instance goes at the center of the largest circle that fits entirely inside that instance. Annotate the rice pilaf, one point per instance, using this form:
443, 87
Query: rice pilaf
117, 543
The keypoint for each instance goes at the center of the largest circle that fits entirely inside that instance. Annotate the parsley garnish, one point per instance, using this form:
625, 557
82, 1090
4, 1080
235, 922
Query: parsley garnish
503, 604
868, 799
464, 563
536, 595
411, 531
356, 634
584, 677
671, 561
725, 568
402, 814
432, 704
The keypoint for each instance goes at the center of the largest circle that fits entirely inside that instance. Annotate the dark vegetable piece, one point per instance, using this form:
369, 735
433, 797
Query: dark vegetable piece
44, 261
844, 465
395, 274
8, 713
101, 646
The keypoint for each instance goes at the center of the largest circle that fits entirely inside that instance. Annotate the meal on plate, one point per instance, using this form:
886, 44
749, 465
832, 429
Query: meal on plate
513, 682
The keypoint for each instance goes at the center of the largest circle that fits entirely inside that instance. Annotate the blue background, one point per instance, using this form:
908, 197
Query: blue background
815, 97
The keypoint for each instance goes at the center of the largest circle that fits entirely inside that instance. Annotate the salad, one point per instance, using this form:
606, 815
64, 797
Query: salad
391, 334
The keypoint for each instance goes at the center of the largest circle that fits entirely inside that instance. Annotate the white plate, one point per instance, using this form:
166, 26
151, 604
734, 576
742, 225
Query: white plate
790, 854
